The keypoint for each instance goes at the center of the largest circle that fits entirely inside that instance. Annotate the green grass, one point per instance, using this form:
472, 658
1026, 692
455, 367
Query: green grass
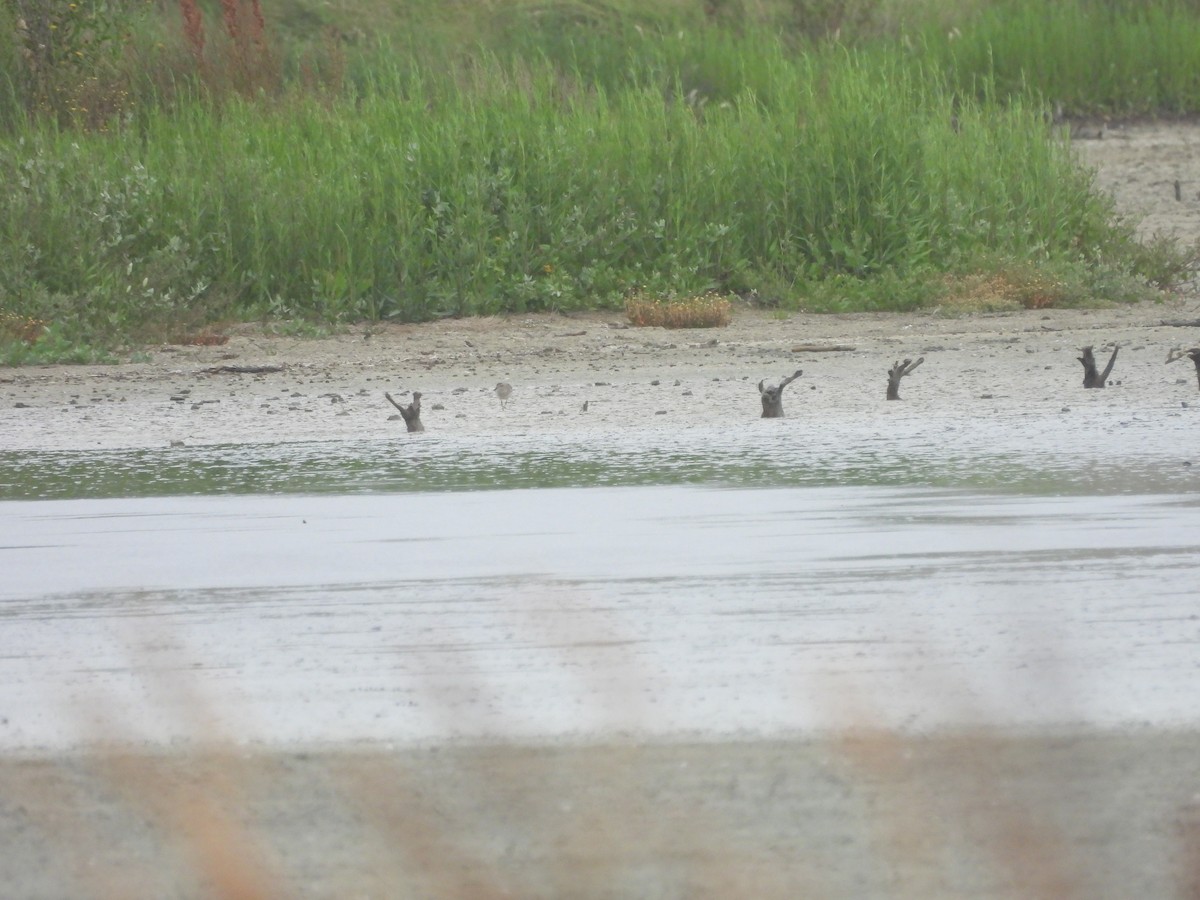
575, 155
51, 347
1121, 57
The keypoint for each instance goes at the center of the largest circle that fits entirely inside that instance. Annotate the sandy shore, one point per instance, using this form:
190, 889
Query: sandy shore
1046, 815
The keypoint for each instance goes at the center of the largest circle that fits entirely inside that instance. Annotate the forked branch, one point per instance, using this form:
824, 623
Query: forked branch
1092, 378
898, 371
1193, 355
772, 397
410, 413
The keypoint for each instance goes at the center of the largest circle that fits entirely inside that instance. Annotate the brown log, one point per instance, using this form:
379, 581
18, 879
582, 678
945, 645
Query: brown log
822, 348
772, 397
898, 371
241, 370
410, 413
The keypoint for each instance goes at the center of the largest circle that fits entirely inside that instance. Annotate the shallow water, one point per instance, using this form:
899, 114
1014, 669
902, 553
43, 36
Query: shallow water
407, 615
1090, 454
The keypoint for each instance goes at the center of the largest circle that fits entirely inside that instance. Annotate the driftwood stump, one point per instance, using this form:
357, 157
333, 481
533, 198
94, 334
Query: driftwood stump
898, 371
410, 413
1092, 378
1193, 355
772, 397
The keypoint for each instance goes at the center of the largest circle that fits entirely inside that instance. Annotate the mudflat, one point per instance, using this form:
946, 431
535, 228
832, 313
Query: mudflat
258, 388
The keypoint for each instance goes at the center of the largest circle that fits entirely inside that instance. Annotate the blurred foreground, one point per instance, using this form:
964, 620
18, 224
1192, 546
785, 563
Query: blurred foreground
861, 815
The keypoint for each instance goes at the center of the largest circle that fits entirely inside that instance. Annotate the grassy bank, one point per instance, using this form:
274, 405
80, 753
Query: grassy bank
585, 154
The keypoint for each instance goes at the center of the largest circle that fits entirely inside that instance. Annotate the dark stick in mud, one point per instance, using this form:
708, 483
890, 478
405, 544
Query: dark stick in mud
1193, 355
241, 370
772, 397
898, 371
411, 413
1092, 378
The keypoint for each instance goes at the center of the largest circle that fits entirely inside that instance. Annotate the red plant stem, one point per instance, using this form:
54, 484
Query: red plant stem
260, 23
193, 27
229, 15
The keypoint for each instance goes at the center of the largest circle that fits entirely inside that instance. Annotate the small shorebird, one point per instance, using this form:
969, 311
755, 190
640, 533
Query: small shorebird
503, 391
